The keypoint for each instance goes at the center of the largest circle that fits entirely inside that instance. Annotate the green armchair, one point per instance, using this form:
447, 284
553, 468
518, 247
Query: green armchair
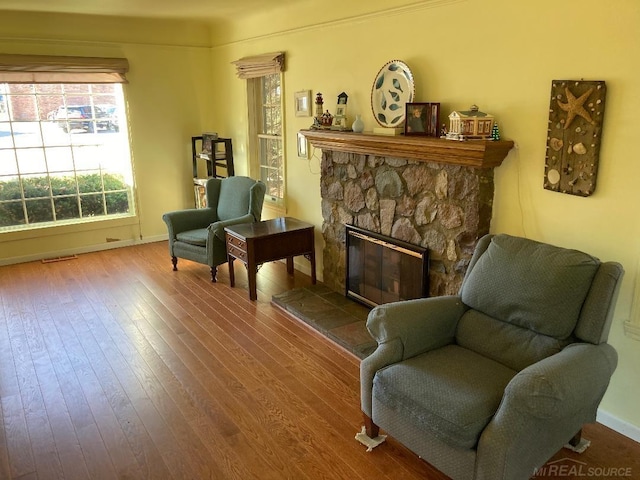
491, 383
198, 234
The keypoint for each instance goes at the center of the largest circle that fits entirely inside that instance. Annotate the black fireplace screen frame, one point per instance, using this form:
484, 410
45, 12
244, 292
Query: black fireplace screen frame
407, 279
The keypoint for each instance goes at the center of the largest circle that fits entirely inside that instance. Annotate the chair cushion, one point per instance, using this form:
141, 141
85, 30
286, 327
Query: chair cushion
509, 344
530, 284
450, 392
194, 237
235, 197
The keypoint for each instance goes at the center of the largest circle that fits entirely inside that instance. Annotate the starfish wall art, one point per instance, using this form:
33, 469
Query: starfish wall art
576, 112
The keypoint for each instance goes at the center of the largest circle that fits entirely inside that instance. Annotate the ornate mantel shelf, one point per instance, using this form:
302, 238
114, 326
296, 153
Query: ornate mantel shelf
471, 153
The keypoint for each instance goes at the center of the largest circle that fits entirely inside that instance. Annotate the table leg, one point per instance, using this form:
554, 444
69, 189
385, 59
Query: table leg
232, 274
312, 259
290, 265
251, 273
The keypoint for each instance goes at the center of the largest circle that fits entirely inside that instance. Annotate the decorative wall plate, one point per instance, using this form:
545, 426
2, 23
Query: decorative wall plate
392, 88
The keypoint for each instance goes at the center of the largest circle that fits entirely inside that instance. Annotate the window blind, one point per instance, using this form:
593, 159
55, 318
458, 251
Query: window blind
260, 65
54, 69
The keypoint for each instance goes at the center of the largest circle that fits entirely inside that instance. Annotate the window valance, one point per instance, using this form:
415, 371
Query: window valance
54, 69
260, 65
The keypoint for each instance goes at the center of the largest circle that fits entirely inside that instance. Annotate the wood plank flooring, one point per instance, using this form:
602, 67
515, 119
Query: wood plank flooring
114, 367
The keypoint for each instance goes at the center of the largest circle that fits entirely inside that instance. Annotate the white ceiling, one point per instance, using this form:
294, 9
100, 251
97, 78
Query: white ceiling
179, 9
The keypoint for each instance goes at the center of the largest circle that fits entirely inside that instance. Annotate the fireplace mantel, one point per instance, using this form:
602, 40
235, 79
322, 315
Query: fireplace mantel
471, 153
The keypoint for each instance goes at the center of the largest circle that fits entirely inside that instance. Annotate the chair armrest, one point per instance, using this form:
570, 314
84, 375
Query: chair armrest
420, 325
190, 219
406, 329
543, 407
217, 228
563, 383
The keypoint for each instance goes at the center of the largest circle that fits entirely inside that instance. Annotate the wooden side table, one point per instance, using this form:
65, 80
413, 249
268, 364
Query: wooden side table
257, 243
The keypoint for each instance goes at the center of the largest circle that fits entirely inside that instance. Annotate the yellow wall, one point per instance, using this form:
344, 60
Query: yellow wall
501, 55
168, 101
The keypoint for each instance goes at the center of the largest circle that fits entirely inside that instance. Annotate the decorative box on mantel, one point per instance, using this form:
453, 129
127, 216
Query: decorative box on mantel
425, 191
472, 153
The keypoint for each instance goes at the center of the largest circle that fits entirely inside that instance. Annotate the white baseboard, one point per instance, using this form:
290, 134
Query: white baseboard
620, 426
77, 251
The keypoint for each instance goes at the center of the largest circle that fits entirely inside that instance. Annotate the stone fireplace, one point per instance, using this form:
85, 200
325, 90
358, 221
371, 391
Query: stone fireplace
429, 192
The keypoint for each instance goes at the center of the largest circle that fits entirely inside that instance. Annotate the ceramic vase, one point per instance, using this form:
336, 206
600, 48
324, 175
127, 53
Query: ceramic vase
358, 125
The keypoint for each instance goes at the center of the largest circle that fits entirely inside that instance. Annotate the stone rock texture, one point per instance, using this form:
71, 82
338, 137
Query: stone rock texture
445, 208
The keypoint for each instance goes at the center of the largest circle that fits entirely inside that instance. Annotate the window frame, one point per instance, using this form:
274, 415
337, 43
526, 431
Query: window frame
127, 171
256, 105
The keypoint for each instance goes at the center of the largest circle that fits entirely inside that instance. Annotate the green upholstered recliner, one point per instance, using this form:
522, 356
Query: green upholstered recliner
491, 383
198, 234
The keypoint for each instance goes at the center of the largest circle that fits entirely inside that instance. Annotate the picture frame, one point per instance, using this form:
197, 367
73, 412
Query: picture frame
340, 123
302, 103
200, 192
303, 150
422, 119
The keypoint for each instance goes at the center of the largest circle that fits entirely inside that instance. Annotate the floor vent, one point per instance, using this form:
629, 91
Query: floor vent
59, 259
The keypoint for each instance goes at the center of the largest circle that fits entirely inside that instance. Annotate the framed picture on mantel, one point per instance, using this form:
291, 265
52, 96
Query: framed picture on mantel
422, 119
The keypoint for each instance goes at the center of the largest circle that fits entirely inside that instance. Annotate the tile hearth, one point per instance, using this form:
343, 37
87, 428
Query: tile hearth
338, 318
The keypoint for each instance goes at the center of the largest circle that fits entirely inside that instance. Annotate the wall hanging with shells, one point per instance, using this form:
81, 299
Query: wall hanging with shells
576, 114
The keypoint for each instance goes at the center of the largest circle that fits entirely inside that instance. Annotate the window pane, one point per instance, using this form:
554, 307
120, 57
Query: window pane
20, 88
54, 132
39, 211
92, 205
271, 171
48, 106
71, 88
86, 157
27, 134
8, 164
114, 182
23, 108
31, 160
117, 202
6, 139
36, 186
10, 188
271, 107
63, 183
89, 182
11, 213
67, 208
48, 88
59, 159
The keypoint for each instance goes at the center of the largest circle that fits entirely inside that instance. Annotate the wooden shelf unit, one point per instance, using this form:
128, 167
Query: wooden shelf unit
220, 158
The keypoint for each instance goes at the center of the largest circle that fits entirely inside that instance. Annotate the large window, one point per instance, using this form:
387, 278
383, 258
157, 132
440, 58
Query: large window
267, 135
64, 154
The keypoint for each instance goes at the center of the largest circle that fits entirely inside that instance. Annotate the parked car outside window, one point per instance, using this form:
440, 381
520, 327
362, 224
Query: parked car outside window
81, 117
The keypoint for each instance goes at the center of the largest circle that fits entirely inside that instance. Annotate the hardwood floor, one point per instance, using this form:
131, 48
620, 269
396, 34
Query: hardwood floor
113, 366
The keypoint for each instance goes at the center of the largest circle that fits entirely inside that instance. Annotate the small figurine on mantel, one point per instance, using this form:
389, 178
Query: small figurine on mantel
470, 124
340, 115
319, 103
495, 132
317, 119
327, 119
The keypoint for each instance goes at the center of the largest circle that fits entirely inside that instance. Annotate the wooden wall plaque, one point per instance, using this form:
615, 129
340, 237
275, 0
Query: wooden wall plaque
576, 112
